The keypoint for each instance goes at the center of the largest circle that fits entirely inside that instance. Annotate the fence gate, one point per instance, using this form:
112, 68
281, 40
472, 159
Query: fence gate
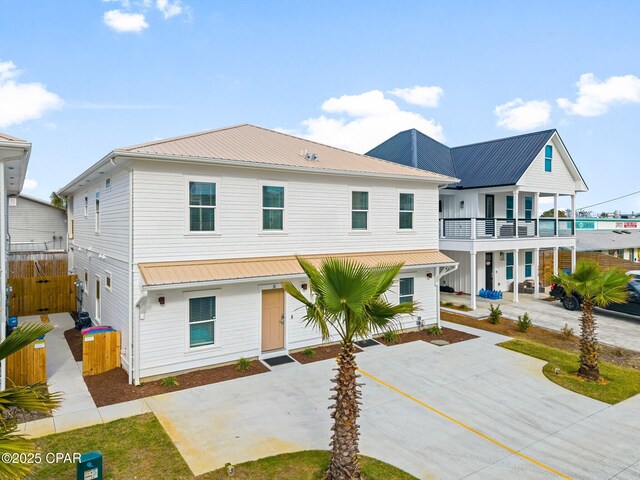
100, 352
41, 295
28, 365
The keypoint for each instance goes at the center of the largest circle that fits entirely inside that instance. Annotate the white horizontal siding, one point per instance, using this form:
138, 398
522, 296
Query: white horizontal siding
33, 222
559, 180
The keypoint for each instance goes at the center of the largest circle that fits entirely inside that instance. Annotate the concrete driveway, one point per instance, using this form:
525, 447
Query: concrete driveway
467, 410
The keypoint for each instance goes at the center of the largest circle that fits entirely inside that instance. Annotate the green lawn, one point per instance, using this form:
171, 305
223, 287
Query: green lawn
138, 447
617, 383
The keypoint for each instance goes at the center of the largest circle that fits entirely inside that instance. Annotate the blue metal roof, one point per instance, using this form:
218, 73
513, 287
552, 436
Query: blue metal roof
486, 164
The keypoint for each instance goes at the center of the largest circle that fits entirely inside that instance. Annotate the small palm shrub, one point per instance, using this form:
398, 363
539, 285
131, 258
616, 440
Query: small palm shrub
524, 322
391, 336
567, 331
494, 314
169, 382
463, 306
309, 352
448, 304
434, 330
243, 365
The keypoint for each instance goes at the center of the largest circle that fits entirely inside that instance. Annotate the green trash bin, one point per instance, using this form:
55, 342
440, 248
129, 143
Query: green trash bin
90, 466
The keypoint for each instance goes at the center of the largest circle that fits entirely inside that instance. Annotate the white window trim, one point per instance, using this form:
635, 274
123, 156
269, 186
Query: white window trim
273, 183
96, 314
97, 211
107, 188
413, 212
216, 209
86, 281
86, 205
407, 275
107, 275
358, 231
187, 333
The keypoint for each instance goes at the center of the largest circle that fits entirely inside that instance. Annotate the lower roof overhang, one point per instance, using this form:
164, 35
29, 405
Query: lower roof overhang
211, 273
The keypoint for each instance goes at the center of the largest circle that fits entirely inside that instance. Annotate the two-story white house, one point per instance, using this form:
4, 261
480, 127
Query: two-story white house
182, 243
490, 221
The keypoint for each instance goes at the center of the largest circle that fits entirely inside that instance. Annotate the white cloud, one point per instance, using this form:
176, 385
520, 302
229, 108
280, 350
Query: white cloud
364, 121
520, 115
169, 9
595, 97
422, 96
123, 22
20, 102
30, 184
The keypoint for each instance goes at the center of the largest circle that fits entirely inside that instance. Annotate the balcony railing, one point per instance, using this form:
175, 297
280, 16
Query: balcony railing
484, 228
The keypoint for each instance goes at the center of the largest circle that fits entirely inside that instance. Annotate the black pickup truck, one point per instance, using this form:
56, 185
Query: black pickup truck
573, 302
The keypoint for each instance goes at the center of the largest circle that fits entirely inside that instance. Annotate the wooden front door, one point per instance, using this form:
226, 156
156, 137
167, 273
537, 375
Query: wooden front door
272, 319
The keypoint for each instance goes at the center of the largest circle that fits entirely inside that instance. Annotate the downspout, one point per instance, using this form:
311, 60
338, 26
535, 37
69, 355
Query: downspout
441, 272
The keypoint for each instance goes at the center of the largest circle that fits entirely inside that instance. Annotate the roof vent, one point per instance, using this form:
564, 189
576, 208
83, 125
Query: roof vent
312, 157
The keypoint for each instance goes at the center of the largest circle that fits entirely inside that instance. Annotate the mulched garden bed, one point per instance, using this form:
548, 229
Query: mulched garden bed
113, 387
74, 339
22, 416
321, 353
448, 334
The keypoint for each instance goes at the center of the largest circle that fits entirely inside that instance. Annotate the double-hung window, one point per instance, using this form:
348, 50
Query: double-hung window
548, 157
272, 208
202, 320
509, 206
528, 264
97, 212
509, 265
202, 207
406, 211
86, 206
359, 210
528, 208
406, 290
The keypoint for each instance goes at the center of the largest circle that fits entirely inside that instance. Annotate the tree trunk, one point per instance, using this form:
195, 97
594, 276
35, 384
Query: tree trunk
344, 442
588, 343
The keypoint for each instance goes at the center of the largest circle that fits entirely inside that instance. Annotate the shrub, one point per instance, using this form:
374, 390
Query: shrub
434, 330
448, 304
169, 382
391, 336
524, 322
463, 306
309, 352
494, 314
243, 365
567, 331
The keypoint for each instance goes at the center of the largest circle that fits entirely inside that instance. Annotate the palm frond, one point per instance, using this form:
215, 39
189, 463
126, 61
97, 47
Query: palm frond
34, 397
23, 336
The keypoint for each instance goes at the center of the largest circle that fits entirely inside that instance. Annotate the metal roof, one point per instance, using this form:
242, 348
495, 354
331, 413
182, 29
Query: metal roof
5, 137
589, 241
196, 271
250, 144
485, 164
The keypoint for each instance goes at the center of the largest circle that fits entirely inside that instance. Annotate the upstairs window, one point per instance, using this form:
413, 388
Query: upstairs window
548, 157
272, 208
86, 206
202, 207
509, 206
359, 210
406, 211
406, 290
528, 208
97, 212
107, 184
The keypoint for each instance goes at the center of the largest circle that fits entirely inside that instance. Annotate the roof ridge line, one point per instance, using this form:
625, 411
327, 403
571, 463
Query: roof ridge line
504, 138
183, 137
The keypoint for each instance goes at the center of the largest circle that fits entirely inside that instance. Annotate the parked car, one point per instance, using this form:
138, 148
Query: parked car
573, 302
635, 273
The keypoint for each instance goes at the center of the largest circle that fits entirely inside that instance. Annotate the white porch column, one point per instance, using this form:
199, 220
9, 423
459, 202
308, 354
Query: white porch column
555, 260
556, 197
473, 229
516, 213
473, 272
573, 258
516, 276
436, 281
536, 213
536, 272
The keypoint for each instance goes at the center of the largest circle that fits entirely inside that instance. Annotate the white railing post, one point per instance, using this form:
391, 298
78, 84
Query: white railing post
473, 229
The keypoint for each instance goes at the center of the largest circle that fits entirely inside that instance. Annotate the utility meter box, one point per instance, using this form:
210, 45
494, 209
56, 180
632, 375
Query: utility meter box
90, 466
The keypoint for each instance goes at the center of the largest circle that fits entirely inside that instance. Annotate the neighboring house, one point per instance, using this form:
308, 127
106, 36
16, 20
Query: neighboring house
14, 155
490, 221
35, 225
183, 242
619, 237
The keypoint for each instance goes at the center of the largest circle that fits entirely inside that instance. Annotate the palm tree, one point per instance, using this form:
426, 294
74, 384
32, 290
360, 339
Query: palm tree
597, 287
348, 298
34, 398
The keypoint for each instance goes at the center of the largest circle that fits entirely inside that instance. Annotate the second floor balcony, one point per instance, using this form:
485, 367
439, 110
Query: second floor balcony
507, 228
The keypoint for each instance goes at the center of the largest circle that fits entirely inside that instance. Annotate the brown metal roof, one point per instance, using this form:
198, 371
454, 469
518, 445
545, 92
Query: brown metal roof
257, 145
172, 273
8, 138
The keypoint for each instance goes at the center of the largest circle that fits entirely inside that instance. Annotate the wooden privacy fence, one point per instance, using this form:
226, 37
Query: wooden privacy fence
100, 352
28, 365
41, 295
23, 265
564, 262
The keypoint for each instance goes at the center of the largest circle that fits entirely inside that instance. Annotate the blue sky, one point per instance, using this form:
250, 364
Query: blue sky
79, 78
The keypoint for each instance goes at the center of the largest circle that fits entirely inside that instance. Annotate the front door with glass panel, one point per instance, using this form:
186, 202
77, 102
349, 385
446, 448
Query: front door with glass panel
272, 319
489, 213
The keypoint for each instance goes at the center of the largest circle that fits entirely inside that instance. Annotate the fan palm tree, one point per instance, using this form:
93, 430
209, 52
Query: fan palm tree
348, 298
598, 288
34, 398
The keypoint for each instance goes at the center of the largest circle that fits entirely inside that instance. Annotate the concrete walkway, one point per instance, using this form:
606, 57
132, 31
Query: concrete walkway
64, 375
